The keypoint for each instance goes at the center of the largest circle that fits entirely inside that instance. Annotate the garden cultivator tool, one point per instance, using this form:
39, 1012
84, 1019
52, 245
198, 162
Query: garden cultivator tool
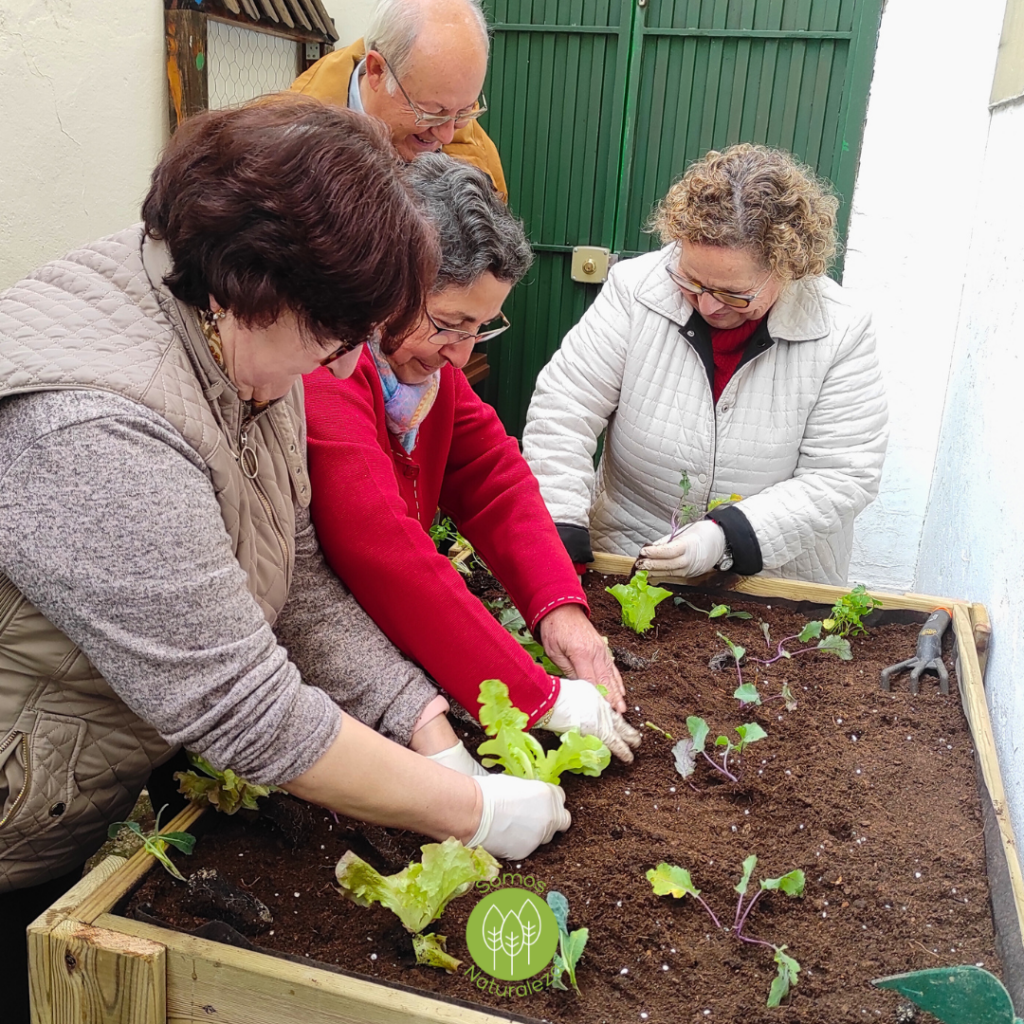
928, 656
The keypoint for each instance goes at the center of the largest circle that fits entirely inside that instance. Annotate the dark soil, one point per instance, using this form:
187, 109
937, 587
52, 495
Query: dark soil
872, 794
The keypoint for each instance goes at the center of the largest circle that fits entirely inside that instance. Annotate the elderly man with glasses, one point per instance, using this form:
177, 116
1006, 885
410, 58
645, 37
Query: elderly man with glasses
420, 70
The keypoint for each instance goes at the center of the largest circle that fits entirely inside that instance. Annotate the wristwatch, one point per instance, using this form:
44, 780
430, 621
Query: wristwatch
725, 562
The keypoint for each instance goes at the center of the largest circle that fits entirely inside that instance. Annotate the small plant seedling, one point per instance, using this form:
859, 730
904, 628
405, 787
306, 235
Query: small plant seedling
509, 616
570, 944
418, 894
223, 790
638, 599
847, 612
717, 612
156, 842
515, 750
669, 880
747, 693
687, 749
684, 512
658, 728
446, 537
715, 502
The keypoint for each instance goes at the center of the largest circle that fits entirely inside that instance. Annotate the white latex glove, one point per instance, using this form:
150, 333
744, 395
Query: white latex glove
518, 816
580, 705
696, 549
460, 760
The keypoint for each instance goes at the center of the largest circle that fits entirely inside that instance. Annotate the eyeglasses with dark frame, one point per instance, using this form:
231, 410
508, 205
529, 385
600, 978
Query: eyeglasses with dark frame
427, 120
726, 298
450, 336
343, 349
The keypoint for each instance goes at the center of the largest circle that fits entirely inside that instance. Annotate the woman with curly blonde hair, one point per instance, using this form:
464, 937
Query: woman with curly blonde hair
724, 364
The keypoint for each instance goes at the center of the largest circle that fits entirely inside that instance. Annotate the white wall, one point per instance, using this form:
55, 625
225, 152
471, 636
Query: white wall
973, 541
82, 120
921, 165
350, 18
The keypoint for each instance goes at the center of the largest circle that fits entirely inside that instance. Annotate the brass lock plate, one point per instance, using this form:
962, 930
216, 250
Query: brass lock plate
590, 264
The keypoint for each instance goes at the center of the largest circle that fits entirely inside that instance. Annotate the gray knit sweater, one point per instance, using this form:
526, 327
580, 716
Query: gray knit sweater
110, 526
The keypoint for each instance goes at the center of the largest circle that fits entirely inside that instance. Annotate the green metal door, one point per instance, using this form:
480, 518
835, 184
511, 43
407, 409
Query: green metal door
597, 106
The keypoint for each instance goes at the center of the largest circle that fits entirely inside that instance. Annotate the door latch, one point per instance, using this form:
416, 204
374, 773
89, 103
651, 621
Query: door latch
591, 263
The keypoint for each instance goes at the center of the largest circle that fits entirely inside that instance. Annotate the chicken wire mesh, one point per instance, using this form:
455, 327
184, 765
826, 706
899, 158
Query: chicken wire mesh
242, 64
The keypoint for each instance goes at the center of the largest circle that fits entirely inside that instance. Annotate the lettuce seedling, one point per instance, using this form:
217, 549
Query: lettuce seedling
570, 944
225, 791
515, 750
687, 749
847, 612
638, 599
156, 842
717, 612
669, 880
418, 894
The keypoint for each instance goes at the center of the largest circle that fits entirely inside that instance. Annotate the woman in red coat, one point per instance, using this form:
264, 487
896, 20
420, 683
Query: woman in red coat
406, 435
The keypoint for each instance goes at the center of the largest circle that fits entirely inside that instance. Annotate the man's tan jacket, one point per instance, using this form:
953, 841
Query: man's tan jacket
328, 79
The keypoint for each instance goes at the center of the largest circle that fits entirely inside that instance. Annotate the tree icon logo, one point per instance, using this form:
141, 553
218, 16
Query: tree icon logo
512, 934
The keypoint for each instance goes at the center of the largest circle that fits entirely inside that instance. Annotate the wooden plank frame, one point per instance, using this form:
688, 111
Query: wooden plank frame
87, 964
185, 33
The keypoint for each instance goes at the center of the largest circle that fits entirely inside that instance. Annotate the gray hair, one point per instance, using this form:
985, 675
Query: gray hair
476, 230
395, 26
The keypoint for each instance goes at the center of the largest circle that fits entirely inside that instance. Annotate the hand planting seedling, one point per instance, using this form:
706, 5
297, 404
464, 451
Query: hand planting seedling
570, 944
847, 612
685, 512
638, 599
225, 791
515, 750
418, 894
156, 842
510, 617
687, 749
669, 880
717, 612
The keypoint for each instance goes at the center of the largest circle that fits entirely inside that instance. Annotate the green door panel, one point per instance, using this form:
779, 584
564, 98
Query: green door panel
597, 106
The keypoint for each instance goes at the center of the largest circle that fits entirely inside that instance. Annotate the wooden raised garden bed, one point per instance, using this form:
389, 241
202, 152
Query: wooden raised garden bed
91, 965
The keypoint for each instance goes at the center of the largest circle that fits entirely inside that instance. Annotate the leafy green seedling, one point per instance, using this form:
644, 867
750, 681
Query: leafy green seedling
570, 944
684, 512
638, 599
459, 551
717, 612
747, 693
715, 502
223, 790
511, 619
687, 749
418, 894
847, 612
156, 842
515, 750
670, 880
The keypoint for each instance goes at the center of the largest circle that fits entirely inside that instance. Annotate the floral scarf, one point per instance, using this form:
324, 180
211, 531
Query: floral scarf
405, 405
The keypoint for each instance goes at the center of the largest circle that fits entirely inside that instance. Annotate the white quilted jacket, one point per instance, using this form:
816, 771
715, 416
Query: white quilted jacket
799, 431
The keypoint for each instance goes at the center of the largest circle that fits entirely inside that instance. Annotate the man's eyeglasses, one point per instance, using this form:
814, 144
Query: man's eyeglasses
726, 298
450, 336
424, 119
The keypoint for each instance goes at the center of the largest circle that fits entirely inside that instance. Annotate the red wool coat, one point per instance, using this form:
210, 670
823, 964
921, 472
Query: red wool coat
373, 504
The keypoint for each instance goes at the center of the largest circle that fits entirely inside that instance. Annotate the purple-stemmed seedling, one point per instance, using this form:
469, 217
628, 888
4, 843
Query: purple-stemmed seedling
687, 749
669, 880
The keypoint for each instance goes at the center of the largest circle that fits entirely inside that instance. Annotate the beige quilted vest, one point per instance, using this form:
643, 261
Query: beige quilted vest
62, 728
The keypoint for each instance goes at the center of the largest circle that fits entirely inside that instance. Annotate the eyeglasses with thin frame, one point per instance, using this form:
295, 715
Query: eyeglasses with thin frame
726, 298
428, 120
450, 336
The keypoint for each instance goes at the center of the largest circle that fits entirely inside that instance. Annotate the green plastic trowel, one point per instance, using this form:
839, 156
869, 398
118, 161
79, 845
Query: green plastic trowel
955, 995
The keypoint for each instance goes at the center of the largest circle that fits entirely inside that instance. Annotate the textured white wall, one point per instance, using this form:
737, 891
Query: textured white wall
973, 544
82, 120
921, 165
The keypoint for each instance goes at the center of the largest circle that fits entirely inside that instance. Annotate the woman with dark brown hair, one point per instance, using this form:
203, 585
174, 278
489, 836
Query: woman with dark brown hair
160, 582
